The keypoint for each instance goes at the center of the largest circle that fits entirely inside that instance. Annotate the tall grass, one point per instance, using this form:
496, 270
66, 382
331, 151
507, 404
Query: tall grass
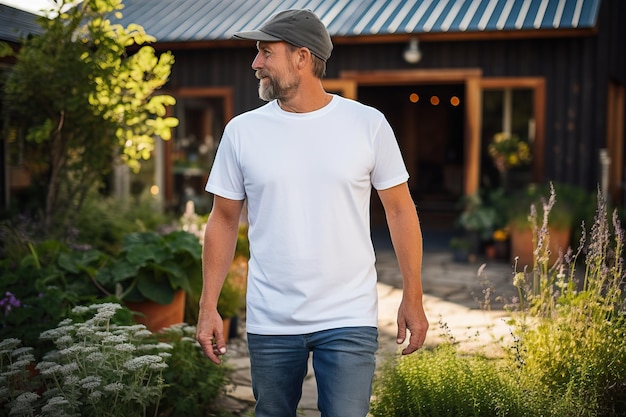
568, 356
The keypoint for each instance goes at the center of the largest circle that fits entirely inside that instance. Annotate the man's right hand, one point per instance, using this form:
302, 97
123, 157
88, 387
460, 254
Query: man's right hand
210, 335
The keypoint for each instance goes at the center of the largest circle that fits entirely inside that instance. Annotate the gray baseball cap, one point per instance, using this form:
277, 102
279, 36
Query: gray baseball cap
301, 28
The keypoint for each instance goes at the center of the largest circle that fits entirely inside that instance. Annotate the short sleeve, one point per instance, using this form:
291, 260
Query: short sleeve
389, 168
226, 178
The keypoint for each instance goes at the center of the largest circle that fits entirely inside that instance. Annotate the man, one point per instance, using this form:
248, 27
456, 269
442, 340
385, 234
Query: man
306, 163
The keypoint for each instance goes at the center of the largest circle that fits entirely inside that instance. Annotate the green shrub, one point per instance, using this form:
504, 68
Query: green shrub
42, 287
442, 382
104, 221
568, 356
193, 382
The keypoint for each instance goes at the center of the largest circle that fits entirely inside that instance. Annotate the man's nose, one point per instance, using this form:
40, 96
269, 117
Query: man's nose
257, 63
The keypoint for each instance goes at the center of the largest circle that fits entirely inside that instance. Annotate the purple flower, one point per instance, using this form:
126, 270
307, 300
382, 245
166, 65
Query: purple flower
9, 302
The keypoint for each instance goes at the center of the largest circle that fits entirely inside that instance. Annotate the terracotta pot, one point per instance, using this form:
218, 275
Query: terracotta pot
160, 316
522, 245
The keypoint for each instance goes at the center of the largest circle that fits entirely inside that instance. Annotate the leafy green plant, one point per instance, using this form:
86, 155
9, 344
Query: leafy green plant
104, 221
573, 205
97, 368
40, 289
193, 383
153, 267
78, 101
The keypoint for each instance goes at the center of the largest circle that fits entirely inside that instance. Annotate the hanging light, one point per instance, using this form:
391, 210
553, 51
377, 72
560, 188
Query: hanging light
412, 53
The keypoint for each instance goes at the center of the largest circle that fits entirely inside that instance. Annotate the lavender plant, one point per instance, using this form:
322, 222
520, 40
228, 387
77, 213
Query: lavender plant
97, 369
571, 322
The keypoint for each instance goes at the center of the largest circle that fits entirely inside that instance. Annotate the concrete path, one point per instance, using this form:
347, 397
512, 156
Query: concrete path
454, 294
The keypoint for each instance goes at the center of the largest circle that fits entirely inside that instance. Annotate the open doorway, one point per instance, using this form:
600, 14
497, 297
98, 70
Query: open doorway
428, 120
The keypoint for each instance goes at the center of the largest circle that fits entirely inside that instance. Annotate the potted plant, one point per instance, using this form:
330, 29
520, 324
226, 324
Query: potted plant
460, 249
478, 220
507, 152
152, 271
569, 207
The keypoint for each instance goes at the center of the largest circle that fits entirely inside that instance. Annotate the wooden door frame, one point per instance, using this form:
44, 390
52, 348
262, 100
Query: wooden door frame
474, 84
615, 139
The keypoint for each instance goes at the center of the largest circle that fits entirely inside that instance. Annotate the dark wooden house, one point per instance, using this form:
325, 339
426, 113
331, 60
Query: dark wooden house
448, 74
551, 72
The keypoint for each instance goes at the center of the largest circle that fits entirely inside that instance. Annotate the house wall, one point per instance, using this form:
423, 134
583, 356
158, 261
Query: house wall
577, 71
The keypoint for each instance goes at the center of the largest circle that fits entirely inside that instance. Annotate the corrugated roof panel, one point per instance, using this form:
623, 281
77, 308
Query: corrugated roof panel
197, 20
17, 24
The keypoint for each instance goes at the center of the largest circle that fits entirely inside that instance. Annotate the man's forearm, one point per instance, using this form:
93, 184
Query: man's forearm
406, 236
218, 250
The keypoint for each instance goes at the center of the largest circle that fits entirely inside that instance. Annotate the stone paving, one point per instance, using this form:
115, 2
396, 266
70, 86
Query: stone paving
454, 293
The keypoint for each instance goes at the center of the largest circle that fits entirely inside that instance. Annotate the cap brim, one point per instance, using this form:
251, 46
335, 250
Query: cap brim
256, 35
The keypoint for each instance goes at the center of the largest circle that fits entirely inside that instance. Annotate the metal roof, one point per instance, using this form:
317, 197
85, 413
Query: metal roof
203, 20
17, 24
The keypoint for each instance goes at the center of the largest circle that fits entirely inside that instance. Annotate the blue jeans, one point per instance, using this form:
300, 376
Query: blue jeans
343, 361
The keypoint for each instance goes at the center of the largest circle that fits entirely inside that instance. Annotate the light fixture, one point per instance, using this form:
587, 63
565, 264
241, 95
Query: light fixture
412, 53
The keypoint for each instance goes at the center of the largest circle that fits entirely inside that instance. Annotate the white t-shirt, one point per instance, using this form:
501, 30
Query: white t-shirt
307, 178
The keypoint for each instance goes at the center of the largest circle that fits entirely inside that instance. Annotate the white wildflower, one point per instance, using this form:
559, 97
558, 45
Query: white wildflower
114, 387
143, 333
95, 357
9, 344
64, 341
72, 350
84, 332
71, 380
11, 372
106, 311
49, 370
95, 395
90, 382
137, 327
125, 347
157, 366
165, 355
22, 362
51, 334
80, 310
69, 368
164, 346
24, 403
44, 365
141, 361
52, 356
21, 350
53, 405
113, 339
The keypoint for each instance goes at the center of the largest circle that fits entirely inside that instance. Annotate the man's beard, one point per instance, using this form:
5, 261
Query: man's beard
273, 89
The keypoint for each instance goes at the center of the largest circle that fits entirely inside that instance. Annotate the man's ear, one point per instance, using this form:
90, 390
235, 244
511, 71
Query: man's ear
304, 57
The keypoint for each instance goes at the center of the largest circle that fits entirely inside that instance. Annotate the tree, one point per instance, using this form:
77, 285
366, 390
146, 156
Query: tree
83, 102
